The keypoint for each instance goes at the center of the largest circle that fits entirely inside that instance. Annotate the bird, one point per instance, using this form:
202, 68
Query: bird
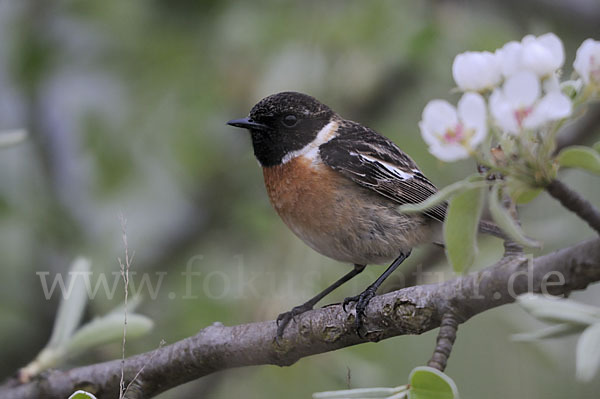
338, 185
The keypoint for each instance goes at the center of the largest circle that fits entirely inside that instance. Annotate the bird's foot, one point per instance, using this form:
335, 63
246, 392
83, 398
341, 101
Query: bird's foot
362, 300
284, 319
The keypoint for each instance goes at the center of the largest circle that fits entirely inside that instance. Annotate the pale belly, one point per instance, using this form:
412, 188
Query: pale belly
340, 219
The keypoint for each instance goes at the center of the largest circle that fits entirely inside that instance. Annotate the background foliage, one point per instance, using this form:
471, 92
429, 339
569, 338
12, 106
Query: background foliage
125, 102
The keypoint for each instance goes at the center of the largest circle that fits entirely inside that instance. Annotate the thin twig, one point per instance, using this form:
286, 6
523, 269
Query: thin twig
445, 340
124, 267
574, 202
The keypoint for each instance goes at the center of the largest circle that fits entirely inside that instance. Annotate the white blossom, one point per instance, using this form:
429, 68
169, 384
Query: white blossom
551, 83
476, 71
518, 104
542, 55
587, 61
453, 133
509, 58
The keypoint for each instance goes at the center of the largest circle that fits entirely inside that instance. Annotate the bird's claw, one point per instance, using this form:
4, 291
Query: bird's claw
362, 301
284, 318
348, 300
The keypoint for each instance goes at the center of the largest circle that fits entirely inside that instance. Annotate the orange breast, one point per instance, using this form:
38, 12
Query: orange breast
338, 218
303, 195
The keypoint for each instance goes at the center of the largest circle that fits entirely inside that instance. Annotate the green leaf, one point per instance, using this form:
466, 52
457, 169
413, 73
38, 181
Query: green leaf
555, 331
559, 310
581, 157
361, 393
424, 383
597, 146
506, 222
72, 304
82, 395
520, 192
12, 137
429, 383
527, 196
588, 353
106, 329
460, 228
474, 181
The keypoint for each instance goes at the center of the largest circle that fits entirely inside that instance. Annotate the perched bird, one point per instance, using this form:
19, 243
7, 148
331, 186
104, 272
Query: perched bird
338, 185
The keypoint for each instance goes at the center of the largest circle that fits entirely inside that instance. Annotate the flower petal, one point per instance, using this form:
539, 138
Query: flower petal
473, 113
509, 58
474, 70
542, 55
449, 152
581, 63
587, 60
427, 134
551, 83
556, 105
555, 46
438, 116
537, 58
503, 112
552, 107
522, 89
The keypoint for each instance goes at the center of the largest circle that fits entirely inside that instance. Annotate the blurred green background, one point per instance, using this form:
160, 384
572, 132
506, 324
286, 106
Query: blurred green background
126, 104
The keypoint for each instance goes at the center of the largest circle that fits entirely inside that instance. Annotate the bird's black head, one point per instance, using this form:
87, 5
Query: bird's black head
283, 123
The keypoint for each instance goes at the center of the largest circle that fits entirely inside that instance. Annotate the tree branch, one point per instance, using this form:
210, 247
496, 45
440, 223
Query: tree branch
575, 203
413, 310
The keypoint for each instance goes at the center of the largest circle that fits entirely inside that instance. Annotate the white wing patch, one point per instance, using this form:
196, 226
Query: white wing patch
396, 171
311, 150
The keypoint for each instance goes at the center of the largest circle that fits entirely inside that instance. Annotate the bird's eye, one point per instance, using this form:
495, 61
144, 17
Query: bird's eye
290, 120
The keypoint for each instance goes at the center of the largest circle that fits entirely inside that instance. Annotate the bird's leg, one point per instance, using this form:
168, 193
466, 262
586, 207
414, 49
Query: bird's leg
362, 299
284, 318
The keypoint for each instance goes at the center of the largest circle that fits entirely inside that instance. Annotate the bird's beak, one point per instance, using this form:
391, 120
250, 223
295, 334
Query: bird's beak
247, 123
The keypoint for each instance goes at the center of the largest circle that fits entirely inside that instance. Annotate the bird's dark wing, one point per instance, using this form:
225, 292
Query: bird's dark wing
375, 162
